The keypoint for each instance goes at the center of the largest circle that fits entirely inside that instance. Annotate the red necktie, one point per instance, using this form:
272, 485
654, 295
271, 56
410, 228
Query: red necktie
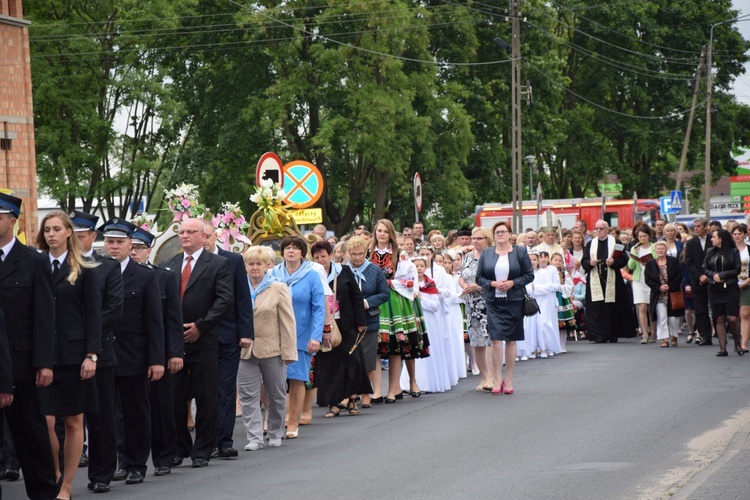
185, 276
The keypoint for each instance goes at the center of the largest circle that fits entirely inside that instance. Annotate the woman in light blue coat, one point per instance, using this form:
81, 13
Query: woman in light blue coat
308, 302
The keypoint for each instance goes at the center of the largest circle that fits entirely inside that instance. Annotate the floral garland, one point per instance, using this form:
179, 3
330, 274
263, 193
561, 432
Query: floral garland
269, 196
183, 202
230, 223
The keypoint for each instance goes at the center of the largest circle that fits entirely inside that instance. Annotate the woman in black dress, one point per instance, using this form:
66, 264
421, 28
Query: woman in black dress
77, 342
722, 266
503, 272
342, 373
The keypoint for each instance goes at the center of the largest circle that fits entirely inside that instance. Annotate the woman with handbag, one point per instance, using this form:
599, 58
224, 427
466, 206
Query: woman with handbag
341, 371
503, 273
739, 233
666, 308
722, 266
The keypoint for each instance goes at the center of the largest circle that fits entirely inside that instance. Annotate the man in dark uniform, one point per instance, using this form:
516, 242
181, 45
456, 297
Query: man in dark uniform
27, 299
237, 324
6, 375
139, 347
206, 295
163, 426
101, 425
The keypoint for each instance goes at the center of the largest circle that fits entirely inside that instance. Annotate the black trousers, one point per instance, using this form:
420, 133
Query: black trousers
102, 454
133, 391
8, 457
199, 377
229, 363
28, 428
702, 319
163, 430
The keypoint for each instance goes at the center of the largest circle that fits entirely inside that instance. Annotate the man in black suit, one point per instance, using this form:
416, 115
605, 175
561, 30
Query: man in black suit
237, 324
101, 425
27, 299
6, 376
206, 293
139, 347
163, 429
695, 252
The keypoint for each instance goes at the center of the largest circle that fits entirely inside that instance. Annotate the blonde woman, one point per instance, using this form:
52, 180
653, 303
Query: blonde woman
266, 357
77, 343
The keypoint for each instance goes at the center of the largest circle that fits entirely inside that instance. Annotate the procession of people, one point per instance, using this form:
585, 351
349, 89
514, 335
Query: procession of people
103, 356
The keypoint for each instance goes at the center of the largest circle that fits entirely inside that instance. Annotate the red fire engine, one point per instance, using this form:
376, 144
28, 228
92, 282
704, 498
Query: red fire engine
620, 213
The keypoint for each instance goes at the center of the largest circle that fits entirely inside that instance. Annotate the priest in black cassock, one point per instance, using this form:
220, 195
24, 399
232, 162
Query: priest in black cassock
609, 314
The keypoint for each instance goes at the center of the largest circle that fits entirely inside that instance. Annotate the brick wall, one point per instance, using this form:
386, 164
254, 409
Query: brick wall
17, 164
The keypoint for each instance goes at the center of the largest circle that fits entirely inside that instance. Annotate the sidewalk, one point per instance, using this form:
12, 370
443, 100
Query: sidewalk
727, 477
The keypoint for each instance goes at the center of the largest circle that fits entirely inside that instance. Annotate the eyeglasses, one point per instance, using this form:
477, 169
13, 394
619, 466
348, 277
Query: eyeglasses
502, 232
188, 231
139, 248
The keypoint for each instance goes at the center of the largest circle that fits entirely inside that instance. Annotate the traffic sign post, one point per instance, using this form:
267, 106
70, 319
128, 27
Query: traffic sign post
665, 205
303, 184
269, 167
417, 196
676, 201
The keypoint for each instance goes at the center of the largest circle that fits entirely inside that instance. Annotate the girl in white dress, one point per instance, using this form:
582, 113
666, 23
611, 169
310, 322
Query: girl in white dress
565, 316
431, 372
449, 335
641, 254
531, 323
456, 316
546, 285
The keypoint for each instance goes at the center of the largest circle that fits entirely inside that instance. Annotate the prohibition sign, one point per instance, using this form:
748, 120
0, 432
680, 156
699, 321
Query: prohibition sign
303, 184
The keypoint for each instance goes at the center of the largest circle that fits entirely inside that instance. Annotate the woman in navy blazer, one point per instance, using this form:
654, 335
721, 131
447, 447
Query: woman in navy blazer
308, 302
77, 342
503, 272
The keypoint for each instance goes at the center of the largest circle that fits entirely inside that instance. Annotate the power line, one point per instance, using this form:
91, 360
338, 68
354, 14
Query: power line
614, 111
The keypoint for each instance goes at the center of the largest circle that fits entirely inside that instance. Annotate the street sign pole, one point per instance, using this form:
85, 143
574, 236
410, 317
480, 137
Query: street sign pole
417, 196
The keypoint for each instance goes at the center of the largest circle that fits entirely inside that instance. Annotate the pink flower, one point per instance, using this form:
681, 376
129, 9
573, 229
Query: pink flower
186, 203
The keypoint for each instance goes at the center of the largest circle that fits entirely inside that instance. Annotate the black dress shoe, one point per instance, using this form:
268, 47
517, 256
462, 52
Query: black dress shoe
177, 461
162, 471
84, 462
389, 401
134, 477
400, 396
11, 475
120, 475
226, 452
376, 401
199, 462
99, 487
721, 354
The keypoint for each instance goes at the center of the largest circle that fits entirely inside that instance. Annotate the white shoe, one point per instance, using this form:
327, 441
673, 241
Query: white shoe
274, 442
518, 359
524, 358
543, 355
475, 371
550, 354
253, 446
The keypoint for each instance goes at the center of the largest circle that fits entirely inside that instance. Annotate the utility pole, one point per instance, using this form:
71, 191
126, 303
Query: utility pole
696, 88
517, 184
707, 170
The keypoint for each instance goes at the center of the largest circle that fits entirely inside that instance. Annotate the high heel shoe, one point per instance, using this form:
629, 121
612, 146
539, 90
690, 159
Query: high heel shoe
499, 390
508, 391
721, 354
292, 434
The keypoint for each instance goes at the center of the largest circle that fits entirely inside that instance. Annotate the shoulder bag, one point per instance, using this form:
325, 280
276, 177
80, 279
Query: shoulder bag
335, 332
530, 305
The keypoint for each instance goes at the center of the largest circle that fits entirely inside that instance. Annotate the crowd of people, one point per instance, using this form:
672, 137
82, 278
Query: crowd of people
102, 356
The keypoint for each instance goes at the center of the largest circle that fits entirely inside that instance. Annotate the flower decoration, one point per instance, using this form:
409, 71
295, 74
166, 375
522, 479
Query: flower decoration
144, 221
230, 223
183, 202
269, 197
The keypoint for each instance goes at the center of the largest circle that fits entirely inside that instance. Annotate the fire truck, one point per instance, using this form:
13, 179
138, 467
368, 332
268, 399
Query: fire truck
620, 213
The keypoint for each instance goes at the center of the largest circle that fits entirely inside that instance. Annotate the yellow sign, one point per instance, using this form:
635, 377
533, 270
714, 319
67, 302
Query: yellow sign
307, 216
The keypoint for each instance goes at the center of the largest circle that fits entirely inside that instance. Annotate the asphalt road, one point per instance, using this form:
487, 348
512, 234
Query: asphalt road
603, 421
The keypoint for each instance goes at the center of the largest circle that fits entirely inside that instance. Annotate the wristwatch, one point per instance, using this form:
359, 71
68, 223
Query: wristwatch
92, 357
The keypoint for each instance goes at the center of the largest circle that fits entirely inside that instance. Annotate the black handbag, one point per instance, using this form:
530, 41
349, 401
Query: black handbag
530, 305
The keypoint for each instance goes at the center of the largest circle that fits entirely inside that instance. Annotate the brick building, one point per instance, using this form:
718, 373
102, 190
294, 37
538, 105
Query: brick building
17, 154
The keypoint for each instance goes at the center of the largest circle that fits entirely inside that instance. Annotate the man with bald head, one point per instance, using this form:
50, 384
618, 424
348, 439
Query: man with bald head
321, 231
206, 294
608, 310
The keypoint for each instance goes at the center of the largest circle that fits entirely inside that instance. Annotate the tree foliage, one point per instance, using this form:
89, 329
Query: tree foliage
133, 96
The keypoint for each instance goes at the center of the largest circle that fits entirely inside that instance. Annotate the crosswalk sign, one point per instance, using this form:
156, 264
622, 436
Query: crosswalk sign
676, 200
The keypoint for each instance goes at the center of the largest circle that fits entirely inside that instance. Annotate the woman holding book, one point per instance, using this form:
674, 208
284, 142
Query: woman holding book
640, 255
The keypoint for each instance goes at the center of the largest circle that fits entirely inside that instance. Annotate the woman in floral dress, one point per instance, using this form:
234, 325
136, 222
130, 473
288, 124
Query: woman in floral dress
400, 334
476, 313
